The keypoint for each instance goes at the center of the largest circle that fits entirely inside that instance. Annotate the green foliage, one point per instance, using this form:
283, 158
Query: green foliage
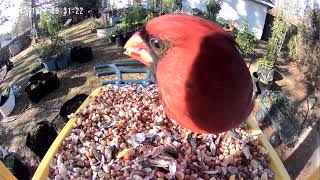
150, 15
198, 12
213, 7
245, 39
51, 50
49, 25
170, 6
132, 17
292, 52
279, 30
95, 24
264, 62
278, 97
212, 10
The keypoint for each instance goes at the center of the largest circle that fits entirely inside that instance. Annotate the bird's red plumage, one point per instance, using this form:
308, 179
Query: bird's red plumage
203, 81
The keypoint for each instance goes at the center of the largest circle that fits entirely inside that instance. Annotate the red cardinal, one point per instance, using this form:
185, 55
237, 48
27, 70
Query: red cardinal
204, 83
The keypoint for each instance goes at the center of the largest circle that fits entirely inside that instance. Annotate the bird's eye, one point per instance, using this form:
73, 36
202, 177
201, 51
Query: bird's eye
157, 45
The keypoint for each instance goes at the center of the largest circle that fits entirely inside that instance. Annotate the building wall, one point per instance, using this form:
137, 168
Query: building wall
237, 11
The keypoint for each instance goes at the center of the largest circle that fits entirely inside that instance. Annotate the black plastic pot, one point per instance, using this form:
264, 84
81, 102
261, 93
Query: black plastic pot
35, 91
40, 84
16, 167
51, 81
127, 36
119, 41
72, 105
81, 54
41, 138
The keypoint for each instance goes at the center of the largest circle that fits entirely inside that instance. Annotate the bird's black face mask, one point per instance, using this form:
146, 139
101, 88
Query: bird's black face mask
146, 48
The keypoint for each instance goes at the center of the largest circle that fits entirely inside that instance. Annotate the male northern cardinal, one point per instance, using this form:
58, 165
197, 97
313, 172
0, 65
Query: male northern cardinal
203, 82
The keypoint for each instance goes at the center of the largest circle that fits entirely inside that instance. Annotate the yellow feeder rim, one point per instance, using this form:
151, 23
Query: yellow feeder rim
42, 172
5, 174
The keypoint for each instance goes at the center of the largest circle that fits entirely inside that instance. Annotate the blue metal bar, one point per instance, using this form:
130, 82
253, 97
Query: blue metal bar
149, 75
106, 73
128, 63
118, 72
102, 66
134, 70
109, 82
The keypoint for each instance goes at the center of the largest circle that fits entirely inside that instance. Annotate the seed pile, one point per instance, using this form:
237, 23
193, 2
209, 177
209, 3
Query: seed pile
124, 133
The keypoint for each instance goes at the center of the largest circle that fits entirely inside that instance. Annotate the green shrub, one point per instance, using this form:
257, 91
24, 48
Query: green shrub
49, 25
170, 6
132, 17
265, 63
95, 24
292, 53
213, 7
245, 39
51, 50
274, 45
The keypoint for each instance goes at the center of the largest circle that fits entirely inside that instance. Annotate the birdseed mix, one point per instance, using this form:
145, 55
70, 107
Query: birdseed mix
124, 133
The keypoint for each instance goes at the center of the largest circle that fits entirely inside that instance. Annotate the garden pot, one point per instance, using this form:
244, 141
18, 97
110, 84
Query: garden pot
40, 84
35, 91
50, 65
41, 137
69, 56
7, 104
81, 54
16, 167
119, 41
63, 61
127, 36
51, 81
72, 105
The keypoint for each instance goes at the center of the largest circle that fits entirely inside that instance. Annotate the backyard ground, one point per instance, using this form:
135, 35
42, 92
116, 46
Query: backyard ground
80, 78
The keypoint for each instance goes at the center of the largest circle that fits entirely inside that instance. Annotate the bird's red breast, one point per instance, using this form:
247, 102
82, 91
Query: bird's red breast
203, 81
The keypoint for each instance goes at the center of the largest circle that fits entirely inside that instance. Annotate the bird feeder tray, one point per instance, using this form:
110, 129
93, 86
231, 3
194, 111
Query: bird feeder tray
42, 172
118, 72
5, 174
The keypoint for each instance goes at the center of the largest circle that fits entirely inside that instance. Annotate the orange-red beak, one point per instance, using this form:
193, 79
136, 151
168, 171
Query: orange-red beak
137, 49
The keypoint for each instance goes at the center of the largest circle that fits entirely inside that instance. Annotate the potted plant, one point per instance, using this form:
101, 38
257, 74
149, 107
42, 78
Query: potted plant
132, 19
63, 55
266, 71
54, 55
94, 25
100, 28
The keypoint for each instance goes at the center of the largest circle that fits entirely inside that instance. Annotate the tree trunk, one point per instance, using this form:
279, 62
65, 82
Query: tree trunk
34, 21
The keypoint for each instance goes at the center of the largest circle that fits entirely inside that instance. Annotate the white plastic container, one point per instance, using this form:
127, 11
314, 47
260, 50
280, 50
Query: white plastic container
102, 33
8, 106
